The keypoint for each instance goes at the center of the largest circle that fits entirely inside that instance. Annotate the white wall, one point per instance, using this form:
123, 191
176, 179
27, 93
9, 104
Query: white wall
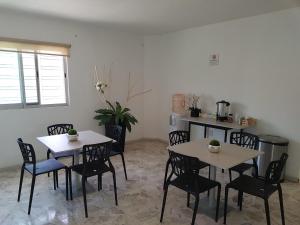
258, 73
92, 46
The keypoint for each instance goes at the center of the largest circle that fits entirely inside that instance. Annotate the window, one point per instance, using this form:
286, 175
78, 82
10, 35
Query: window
32, 74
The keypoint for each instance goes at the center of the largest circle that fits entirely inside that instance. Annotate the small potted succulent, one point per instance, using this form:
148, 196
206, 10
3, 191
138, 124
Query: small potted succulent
214, 146
72, 135
195, 111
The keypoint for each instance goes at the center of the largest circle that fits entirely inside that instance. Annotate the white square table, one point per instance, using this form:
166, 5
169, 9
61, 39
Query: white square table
60, 143
229, 156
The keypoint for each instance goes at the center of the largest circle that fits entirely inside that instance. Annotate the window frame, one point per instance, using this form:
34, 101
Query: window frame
23, 104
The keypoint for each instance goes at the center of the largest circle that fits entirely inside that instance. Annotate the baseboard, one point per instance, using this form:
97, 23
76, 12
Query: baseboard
10, 168
148, 139
292, 179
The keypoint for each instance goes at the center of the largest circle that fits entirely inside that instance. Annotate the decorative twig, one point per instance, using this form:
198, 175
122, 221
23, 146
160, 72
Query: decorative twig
104, 84
130, 89
137, 94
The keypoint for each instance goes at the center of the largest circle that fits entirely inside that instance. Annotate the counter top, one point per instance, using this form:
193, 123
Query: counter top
214, 122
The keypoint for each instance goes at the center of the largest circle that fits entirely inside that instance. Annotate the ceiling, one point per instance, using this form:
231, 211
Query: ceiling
149, 16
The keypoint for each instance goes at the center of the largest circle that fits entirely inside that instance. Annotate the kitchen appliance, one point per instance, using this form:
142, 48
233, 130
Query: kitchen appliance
222, 110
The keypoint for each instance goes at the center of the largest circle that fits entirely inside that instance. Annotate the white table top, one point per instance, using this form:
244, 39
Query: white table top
60, 143
229, 156
214, 122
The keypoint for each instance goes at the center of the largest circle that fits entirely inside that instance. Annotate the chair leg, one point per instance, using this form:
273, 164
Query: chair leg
70, 183
48, 157
99, 182
195, 210
84, 196
281, 204
209, 179
225, 203
166, 173
67, 184
230, 176
31, 193
21, 182
240, 200
267, 212
188, 199
240, 196
218, 203
56, 174
73, 160
115, 187
163, 203
54, 180
124, 165
255, 168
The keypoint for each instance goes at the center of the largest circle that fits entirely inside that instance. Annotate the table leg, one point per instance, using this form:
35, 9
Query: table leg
212, 192
205, 132
76, 157
225, 136
207, 206
225, 140
76, 182
190, 130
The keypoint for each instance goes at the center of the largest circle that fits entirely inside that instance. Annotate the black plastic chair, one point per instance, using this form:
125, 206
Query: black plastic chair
188, 179
95, 162
55, 129
37, 168
248, 141
115, 132
262, 188
179, 137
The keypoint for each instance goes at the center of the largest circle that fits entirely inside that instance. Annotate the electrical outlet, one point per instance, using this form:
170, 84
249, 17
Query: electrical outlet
214, 59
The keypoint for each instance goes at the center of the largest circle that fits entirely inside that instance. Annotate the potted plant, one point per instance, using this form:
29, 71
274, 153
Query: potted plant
214, 146
117, 115
195, 111
72, 135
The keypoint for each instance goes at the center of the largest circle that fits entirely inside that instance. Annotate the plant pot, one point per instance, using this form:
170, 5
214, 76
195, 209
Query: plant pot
123, 134
195, 112
72, 137
214, 149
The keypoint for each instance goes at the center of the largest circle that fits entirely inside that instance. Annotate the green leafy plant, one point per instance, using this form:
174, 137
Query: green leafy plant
116, 114
214, 142
72, 132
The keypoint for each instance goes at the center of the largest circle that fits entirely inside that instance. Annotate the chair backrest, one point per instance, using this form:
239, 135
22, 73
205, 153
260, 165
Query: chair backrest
182, 164
27, 152
115, 132
179, 137
274, 170
61, 128
93, 156
244, 139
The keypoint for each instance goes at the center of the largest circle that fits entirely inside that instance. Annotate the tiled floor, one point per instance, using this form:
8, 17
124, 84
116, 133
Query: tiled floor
139, 198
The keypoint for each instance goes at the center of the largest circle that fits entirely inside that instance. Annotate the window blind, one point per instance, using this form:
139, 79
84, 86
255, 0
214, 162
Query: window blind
9, 78
38, 47
52, 79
